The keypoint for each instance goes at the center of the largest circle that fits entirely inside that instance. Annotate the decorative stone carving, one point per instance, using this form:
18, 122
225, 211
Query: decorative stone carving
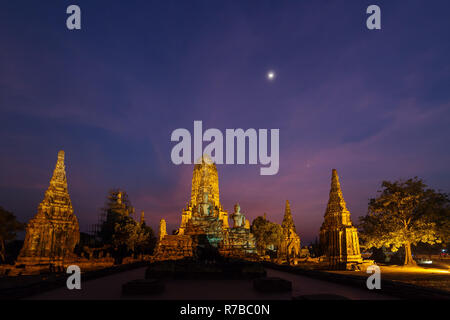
338, 237
52, 234
238, 217
205, 208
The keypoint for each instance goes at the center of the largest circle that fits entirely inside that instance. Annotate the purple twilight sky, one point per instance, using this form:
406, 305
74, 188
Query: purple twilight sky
375, 105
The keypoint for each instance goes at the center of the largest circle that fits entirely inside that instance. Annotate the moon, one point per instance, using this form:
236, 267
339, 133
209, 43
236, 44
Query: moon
271, 75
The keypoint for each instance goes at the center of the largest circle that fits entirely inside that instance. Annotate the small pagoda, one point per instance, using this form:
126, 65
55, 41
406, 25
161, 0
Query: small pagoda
338, 236
53, 233
290, 247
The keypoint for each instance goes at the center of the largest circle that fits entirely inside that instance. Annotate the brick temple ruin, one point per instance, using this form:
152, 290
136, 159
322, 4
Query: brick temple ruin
53, 233
204, 222
338, 237
51, 236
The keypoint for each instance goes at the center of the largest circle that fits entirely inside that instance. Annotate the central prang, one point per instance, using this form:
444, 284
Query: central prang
204, 222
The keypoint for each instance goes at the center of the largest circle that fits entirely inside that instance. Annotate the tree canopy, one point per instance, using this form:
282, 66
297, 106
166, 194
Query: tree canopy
436, 208
120, 230
9, 227
404, 214
132, 235
266, 233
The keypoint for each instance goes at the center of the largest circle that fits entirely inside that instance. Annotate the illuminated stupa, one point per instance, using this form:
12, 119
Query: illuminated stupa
290, 245
204, 222
53, 233
338, 236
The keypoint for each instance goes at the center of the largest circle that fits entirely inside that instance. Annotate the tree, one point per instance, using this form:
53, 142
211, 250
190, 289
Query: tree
400, 217
436, 208
266, 234
117, 207
8, 228
121, 231
134, 236
126, 234
147, 242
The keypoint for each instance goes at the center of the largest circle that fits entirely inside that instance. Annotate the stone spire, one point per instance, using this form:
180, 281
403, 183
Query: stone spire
53, 232
205, 179
288, 222
57, 194
338, 238
59, 174
289, 248
336, 212
142, 221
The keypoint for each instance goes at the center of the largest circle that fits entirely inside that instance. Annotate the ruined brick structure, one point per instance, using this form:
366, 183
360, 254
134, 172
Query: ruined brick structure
338, 236
204, 222
53, 233
290, 246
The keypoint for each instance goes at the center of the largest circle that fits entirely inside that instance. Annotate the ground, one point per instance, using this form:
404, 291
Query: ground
420, 276
109, 287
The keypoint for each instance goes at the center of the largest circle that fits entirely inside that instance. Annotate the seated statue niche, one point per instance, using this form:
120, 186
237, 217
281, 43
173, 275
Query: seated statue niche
238, 217
204, 208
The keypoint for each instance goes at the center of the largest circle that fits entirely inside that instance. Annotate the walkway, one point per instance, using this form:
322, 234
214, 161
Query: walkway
109, 287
